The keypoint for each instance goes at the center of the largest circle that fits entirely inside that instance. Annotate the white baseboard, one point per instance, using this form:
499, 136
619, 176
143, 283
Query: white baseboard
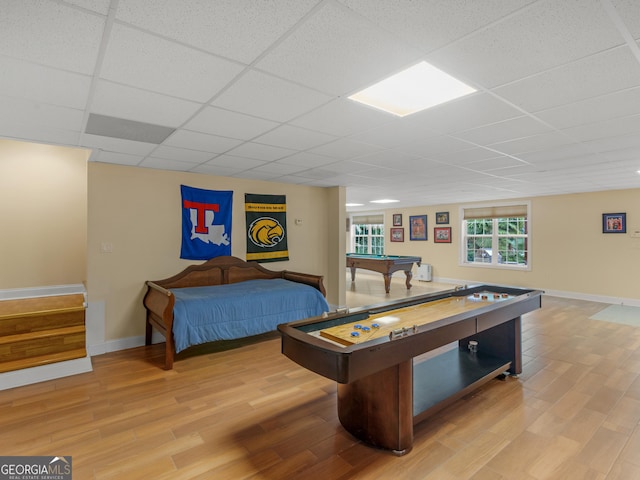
50, 291
27, 376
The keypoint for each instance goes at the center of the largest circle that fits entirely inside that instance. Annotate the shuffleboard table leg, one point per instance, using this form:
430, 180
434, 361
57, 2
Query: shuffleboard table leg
378, 409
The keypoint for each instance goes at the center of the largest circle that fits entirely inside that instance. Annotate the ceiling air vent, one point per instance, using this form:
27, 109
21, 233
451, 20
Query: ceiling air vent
127, 129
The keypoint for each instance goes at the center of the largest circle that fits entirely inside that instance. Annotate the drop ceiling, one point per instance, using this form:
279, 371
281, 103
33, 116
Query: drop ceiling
258, 89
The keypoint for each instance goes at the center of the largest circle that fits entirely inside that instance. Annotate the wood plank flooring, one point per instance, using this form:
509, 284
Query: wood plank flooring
247, 412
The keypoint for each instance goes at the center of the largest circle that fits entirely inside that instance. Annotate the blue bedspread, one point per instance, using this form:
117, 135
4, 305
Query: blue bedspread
225, 312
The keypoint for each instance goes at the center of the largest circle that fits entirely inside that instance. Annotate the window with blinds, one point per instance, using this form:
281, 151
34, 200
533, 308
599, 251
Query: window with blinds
368, 234
496, 235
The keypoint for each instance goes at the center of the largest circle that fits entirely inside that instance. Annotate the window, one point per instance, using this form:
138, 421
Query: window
496, 235
368, 234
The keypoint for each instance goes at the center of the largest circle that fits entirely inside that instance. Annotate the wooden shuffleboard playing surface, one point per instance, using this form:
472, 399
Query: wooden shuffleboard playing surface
394, 321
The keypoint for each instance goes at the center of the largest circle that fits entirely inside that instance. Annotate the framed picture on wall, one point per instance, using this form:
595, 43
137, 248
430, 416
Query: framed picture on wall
442, 218
397, 234
397, 219
418, 227
614, 223
442, 235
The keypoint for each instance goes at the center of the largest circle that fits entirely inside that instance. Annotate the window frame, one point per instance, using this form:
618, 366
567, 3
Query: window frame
352, 235
462, 254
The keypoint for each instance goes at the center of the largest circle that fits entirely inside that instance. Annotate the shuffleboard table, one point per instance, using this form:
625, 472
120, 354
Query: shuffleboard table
387, 265
383, 389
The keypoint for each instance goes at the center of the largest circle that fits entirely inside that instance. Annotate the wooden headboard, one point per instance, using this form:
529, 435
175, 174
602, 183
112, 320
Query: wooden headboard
228, 269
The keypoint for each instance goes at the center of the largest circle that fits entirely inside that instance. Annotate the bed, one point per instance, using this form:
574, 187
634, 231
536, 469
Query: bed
209, 302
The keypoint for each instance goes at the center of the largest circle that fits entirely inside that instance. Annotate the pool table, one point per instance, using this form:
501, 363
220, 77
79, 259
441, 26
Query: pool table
385, 264
399, 363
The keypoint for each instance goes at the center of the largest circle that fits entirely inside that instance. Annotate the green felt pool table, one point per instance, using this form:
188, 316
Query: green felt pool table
385, 264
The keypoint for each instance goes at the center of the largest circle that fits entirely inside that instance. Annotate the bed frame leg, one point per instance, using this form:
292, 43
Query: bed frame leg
168, 355
148, 334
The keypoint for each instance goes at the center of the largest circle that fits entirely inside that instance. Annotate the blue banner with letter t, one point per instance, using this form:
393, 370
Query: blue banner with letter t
206, 223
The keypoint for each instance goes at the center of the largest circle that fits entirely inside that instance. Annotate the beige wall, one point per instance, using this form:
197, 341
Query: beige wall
57, 212
43, 207
137, 211
570, 254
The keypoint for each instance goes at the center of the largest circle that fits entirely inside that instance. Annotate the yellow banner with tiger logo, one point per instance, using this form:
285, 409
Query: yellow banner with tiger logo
266, 217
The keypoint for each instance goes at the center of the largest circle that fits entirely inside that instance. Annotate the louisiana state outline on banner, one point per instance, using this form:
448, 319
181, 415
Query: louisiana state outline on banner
266, 227
206, 223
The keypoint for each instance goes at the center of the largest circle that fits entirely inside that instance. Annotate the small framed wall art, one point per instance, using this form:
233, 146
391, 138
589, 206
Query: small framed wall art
397, 234
442, 218
614, 223
442, 235
397, 219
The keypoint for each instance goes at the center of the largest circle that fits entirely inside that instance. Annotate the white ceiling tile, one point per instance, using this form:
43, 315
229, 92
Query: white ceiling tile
260, 152
430, 24
531, 144
151, 63
295, 138
318, 174
99, 6
277, 168
608, 128
342, 117
492, 164
345, 148
208, 169
234, 29
257, 175
435, 146
134, 104
315, 54
465, 113
545, 35
166, 164
38, 133
556, 154
225, 123
180, 154
615, 143
308, 160
599, 74
597, 109
43, 84
240, 163
463, 157
396, 133
201, 141
265, 96
35, 115
392, 159
629, 13
50, 33
502, 131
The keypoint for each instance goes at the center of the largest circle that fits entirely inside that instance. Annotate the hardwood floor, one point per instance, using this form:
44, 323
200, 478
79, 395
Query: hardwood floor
249, 412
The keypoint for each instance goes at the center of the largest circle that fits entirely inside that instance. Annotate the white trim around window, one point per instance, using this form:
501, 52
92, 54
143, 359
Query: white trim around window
495, 210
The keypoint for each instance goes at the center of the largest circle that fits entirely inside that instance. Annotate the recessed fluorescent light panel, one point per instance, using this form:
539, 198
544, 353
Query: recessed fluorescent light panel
353, 204
384, 200
412, 90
